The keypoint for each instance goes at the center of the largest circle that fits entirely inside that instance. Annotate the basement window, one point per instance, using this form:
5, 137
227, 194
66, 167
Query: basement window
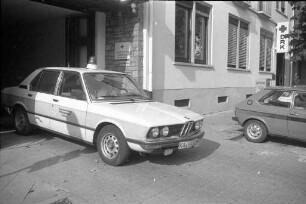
248, 95
182, 103
222, 99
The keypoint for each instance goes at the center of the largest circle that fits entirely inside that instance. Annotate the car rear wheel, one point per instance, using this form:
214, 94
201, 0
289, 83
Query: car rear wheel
21, 122
112, 146
255, 131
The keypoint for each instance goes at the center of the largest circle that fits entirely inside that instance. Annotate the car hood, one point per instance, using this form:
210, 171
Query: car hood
147, 113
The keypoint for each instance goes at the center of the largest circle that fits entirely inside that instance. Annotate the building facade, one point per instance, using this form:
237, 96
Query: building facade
214, 54
205, 56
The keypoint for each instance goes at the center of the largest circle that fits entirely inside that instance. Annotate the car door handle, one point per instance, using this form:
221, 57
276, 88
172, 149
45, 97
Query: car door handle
55, 100
64, 111
30, 95
294, 113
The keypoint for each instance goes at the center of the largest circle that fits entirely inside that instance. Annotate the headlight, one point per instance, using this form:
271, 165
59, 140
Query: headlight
164, 131
154, 132
198, 124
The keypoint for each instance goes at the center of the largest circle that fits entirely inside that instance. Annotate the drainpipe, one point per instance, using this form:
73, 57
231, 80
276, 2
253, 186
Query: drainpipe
291, 63
148, 46
151, 20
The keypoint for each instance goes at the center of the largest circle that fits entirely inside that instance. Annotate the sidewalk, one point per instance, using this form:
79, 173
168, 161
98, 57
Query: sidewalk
51, 170
224, 123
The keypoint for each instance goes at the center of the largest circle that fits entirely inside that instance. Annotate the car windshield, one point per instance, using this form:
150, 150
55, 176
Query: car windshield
112, 86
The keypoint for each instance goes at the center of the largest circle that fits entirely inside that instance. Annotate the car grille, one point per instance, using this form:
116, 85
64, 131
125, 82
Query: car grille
175, 130
187, 128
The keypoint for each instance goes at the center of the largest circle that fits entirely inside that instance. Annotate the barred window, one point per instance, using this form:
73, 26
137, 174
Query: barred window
237, 53
265, 52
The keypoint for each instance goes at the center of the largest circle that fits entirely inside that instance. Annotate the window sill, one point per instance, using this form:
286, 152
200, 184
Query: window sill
283, 14
238, 70
185, 64
265, 72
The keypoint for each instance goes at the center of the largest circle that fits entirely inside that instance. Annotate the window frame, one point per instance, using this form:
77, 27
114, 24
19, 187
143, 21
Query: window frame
37, 77
237, 57
188, 26
60, 84
279, 7
271, 93
266, 35
40, 75
194, 11
294, 104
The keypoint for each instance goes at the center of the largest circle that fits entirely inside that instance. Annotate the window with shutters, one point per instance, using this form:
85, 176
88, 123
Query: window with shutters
237, 53
191, 32
265, 52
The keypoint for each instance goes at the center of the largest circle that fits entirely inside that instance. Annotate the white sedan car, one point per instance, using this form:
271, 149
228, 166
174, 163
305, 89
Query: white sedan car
104, 108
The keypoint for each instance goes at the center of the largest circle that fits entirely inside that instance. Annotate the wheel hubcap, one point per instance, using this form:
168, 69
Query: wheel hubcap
110, 146
254, 131
19, 120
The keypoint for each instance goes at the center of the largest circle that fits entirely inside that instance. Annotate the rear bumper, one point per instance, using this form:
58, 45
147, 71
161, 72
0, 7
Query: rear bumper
150, 146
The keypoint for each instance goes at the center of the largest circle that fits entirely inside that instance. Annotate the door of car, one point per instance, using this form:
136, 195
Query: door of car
297, 116
39, 97
275, 109
69, 106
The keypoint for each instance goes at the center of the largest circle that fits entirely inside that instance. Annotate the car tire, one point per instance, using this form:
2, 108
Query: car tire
21, 121
112, 146
255, 131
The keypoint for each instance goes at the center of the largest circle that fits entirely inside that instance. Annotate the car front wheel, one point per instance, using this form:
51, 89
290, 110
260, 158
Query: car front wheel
21, 122
255, 131
112, 146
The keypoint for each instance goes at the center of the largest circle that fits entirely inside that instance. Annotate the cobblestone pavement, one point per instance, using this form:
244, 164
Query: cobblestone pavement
225, 168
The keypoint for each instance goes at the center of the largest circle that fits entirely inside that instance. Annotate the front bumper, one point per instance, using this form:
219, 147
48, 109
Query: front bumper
166, 143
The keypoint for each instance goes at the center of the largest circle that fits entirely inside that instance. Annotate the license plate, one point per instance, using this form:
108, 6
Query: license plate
188, 144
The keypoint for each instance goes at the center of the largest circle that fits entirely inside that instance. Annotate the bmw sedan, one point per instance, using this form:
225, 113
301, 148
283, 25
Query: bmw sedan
104, 108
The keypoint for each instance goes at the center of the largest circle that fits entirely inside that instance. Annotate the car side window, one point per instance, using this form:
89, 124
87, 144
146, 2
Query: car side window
35, 81
71, 86
48, 81
300, 100
278, 98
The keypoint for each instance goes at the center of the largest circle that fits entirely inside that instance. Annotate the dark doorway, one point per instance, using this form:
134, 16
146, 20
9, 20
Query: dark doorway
79, 40
280, 69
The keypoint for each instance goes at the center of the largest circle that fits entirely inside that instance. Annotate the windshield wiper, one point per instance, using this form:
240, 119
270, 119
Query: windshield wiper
138, 95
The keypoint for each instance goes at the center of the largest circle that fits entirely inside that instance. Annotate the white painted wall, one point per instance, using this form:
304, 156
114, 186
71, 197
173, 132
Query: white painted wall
204, 84
168, 75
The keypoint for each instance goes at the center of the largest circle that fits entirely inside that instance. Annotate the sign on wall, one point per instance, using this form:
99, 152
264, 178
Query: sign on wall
122, 50
282, 43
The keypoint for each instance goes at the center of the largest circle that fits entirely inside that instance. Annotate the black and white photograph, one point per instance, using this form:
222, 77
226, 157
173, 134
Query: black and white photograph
153, 101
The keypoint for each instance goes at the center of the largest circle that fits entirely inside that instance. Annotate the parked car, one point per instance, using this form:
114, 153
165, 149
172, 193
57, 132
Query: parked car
104, 108
274, 111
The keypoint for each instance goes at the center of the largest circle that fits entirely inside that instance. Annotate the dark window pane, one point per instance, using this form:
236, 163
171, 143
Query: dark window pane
34, 83
262, 53
203, 9
300, 101
283, 6
278, 98
182, 26
48, 81
200, 47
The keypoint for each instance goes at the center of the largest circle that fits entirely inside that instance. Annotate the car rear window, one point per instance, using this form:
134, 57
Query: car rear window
48, 81
277, 98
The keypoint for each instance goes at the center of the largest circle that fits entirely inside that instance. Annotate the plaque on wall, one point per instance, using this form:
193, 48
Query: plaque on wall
122, 50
